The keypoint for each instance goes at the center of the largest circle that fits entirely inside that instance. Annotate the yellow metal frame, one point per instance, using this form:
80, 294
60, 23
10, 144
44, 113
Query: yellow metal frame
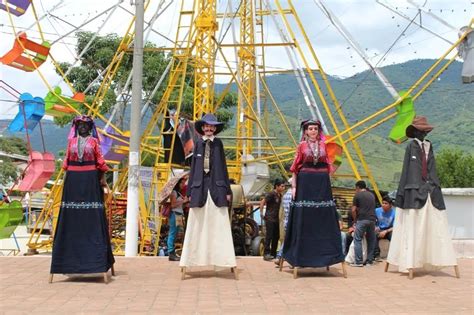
196, 47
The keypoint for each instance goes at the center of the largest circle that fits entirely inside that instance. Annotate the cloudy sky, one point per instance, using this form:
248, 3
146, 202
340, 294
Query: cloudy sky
376, 28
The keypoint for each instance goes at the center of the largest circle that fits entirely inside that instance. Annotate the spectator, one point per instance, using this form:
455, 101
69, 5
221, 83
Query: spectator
272, 202
385, 218
286, 203
178, 202
350, 233
343, 234
363, 213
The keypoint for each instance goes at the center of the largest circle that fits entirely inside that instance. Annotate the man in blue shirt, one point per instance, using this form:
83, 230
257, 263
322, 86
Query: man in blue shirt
385, 217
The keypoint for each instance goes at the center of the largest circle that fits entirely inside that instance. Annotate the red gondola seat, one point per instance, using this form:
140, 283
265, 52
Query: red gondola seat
26, 55
39, 170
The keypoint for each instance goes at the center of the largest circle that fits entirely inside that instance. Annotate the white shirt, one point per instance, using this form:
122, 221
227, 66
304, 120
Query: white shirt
426, 145
204, 138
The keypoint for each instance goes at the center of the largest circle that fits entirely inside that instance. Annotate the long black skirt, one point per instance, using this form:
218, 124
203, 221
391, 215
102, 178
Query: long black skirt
81, 242
313, 237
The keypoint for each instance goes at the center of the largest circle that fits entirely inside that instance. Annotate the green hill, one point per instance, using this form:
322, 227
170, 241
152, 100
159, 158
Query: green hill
447, 103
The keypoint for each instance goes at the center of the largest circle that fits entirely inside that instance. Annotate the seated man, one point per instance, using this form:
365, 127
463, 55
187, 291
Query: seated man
343, 234
385, 217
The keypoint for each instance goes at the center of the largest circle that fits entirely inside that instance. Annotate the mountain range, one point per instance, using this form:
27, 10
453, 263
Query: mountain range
447, 103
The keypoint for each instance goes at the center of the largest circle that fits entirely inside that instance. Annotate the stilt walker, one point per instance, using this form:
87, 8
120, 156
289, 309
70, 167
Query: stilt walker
81, 241
208, 238
313, 237
420, 234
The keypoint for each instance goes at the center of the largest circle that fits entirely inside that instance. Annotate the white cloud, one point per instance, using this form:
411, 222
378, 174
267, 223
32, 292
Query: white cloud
374, 27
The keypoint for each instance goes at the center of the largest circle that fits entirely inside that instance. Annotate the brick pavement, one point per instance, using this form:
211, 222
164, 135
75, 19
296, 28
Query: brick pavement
146, 285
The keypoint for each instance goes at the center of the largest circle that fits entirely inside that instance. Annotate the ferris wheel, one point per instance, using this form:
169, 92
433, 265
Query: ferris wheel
203, 42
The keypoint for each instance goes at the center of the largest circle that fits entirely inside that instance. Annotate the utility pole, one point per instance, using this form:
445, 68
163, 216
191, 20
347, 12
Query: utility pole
131, 236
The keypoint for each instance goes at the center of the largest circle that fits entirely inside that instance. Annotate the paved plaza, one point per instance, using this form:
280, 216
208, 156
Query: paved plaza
148, 285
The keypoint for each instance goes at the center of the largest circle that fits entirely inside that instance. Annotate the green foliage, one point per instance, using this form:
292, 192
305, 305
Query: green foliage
97, 58
455, 168
447, 103
8, 170
13, 145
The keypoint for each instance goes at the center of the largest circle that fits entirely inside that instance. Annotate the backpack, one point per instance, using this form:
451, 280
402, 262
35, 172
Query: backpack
166, 209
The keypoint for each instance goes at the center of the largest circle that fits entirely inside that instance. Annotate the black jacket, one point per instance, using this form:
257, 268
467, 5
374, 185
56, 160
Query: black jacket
413, 190
218, 182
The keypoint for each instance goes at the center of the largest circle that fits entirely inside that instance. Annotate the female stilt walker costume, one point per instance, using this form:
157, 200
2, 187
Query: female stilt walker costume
81, 240
313, 237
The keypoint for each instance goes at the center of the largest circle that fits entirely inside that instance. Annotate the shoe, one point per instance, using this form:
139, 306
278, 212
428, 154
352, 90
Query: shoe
277, 261
268, 257
356, 265
173, 257
370, 263
378, 259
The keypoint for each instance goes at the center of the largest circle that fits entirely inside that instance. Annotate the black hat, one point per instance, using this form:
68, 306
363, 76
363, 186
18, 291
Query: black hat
209, 119
308, 122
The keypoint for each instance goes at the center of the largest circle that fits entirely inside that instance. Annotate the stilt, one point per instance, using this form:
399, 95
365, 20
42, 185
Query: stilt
386, 266
456, 270
112, 270
183, 273
106, 280
344, 271
410, 273
327, 268
234, 271
51, 277
281, 264
295, 273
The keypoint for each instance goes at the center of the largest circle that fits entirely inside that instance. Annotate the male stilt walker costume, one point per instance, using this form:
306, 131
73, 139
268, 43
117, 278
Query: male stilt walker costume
420, 234
208, 240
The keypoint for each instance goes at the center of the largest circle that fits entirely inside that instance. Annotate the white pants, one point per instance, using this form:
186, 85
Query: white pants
208, 240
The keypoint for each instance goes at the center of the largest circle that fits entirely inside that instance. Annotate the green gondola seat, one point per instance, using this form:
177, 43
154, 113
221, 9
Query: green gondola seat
11, 214
405, 115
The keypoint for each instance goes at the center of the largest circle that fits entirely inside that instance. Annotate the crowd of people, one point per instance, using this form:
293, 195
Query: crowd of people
312, 225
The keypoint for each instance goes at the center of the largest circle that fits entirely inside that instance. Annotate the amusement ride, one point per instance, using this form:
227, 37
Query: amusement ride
212, 39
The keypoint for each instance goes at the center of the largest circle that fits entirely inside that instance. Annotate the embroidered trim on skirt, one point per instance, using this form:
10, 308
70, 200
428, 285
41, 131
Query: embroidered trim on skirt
313, 237
81, 241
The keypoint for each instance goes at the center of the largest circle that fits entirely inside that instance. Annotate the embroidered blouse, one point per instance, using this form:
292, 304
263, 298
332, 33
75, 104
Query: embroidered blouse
92, 152
305, 155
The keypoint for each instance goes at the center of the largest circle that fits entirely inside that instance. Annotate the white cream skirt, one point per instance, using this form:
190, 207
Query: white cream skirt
421, 239
208, 239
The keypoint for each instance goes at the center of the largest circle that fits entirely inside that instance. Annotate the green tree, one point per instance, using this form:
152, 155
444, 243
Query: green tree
455, 168
99, 56
8, 170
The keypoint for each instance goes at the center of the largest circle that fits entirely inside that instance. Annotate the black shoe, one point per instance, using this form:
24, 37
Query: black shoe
173, 257
356, 265
268, 257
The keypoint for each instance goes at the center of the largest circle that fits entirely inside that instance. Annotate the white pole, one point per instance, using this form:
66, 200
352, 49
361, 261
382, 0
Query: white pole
131, 236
